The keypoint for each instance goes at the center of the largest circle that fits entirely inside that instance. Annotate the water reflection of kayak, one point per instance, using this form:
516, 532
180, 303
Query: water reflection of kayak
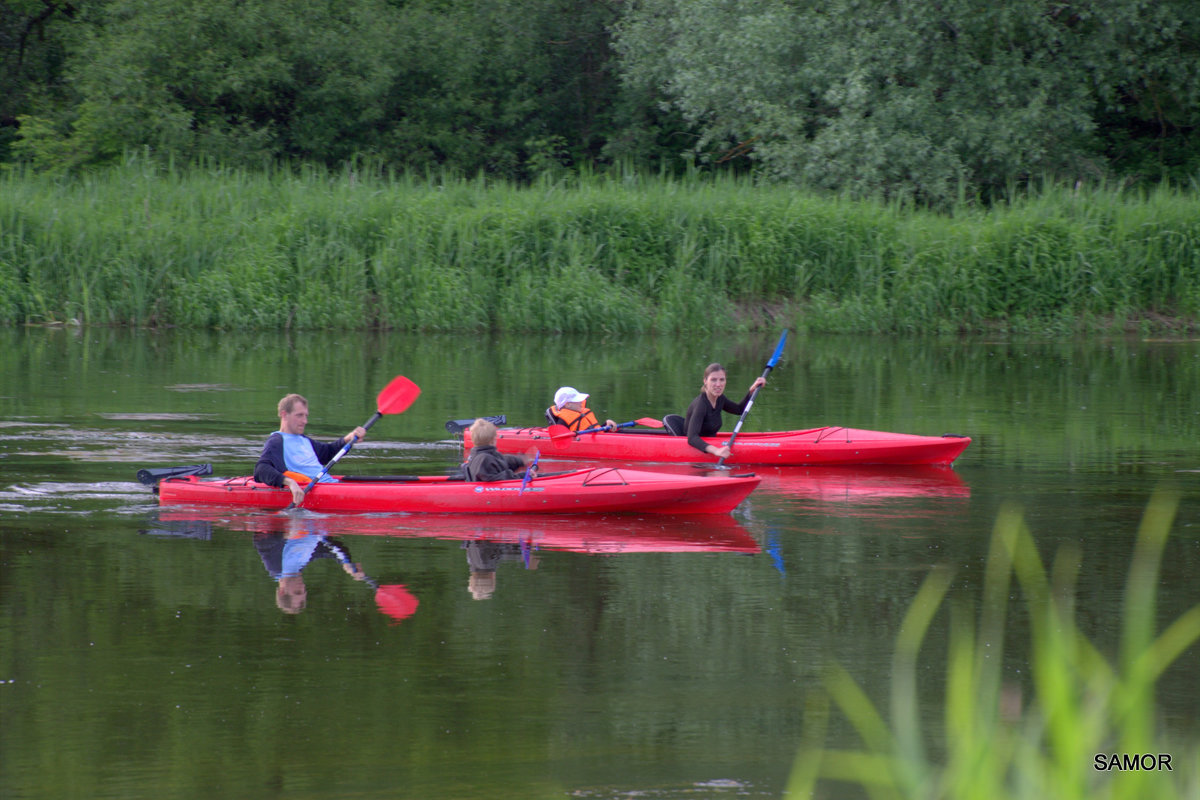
597, 535
862, 483
596, 490
829, 445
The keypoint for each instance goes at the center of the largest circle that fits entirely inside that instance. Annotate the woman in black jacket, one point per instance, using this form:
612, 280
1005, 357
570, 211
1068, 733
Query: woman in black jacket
703, 416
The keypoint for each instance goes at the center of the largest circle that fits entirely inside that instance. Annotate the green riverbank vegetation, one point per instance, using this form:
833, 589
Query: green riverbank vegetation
142, 244
1078, 724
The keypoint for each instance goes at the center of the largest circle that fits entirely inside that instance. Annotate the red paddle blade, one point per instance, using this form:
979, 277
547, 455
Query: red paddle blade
396, 601
560, 437
559, 432
650, 422
398, 395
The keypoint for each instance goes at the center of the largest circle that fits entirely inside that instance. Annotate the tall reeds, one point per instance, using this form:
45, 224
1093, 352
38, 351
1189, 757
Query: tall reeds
1084, 710
211, 247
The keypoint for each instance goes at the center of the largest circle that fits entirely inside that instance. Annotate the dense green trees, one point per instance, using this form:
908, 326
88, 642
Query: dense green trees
926, 100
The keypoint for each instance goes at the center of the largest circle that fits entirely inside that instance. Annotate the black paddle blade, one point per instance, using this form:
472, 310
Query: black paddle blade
457, 426
151, 476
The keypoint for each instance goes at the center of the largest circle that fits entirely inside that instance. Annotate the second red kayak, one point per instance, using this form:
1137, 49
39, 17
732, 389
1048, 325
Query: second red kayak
828, 446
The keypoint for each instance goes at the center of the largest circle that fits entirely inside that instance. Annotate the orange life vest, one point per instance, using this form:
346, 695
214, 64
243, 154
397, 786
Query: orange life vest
576, 420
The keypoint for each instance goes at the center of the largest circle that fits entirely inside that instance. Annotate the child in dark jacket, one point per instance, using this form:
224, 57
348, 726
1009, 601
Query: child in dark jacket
486, 463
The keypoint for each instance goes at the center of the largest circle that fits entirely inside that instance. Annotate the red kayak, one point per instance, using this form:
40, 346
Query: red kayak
601, 489
828, 446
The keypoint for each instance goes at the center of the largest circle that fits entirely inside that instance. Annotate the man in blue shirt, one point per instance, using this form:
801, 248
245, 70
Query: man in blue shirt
289, 450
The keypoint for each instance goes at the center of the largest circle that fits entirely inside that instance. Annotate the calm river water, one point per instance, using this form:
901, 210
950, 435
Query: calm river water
142, 654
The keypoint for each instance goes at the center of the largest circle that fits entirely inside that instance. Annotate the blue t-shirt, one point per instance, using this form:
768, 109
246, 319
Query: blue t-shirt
300, 457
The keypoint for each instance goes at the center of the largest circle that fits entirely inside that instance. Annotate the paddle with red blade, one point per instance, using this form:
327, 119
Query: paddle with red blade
771, 362
395, 398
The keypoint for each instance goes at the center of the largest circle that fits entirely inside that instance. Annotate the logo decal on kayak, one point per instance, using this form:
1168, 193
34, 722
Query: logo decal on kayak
481, 489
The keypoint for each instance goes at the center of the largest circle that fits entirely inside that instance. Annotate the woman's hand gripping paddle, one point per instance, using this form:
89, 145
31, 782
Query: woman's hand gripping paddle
771, 362
395, 398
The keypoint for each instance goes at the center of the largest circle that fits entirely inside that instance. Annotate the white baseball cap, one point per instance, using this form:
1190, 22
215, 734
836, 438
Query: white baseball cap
568, 394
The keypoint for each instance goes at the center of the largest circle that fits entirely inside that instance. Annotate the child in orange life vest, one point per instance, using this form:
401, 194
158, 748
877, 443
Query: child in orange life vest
570, 408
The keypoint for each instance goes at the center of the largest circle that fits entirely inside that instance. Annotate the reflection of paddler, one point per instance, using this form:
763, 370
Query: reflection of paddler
483, 557
285, 558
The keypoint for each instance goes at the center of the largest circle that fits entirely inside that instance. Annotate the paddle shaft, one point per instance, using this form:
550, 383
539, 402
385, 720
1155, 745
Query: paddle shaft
605, 427
774, 359
529, 472
646, 421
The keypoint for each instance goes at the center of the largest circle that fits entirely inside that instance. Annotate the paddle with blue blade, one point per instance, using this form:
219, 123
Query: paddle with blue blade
529, 472
395, 398
771, 362
562, 431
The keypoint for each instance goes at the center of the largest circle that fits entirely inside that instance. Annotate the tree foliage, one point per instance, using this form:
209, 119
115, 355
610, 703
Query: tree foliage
917, 101
497, 85
34, 43
921, 100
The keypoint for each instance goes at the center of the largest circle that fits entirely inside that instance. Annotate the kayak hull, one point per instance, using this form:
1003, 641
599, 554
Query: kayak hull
828, 446
595, 490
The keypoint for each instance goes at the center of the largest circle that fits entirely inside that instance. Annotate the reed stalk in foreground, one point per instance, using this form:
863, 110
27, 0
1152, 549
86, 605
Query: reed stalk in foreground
1085, 711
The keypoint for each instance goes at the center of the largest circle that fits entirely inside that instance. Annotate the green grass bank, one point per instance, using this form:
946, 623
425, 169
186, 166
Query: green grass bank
216, 248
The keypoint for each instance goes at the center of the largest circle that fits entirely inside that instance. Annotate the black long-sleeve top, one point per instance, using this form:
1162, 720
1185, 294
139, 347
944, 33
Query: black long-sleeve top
704, 419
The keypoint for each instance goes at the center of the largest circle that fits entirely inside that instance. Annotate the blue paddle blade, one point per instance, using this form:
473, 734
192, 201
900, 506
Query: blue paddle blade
778, 350
529, 472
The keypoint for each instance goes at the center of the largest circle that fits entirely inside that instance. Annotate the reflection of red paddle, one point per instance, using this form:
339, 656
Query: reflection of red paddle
395, 398
394, 600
